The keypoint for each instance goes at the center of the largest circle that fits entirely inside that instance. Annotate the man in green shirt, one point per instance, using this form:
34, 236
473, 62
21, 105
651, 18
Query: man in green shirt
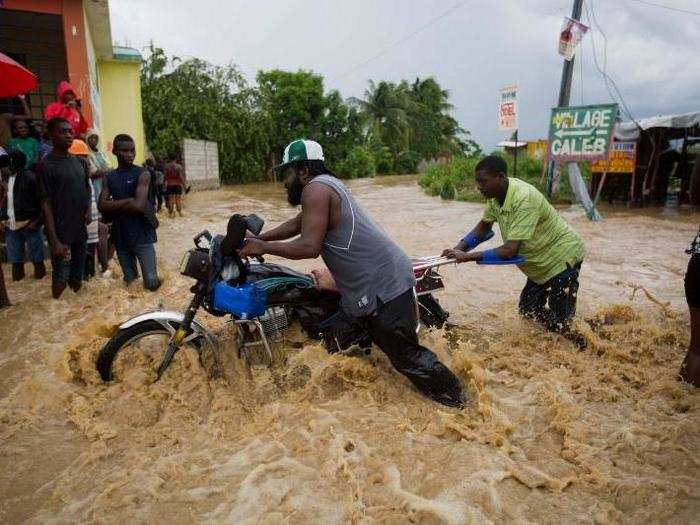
535, 237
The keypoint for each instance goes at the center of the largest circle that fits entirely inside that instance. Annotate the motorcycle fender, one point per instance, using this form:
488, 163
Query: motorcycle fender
163, 316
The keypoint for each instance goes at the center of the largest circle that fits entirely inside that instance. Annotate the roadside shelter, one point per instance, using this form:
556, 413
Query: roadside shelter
657, 161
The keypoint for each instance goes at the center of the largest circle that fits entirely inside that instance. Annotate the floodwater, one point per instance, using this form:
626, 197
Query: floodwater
551, 434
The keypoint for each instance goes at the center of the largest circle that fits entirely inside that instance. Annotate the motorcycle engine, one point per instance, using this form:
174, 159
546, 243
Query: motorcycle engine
274, 321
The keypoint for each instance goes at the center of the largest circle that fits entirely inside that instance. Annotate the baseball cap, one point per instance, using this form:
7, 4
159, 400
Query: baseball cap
301, 149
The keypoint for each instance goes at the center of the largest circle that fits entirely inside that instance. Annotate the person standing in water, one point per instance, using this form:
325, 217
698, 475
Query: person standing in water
374, 276
174, 187
23, 235
81, 150
4, 163
690, 369
99, 167
547, 250
125, 199
64, 189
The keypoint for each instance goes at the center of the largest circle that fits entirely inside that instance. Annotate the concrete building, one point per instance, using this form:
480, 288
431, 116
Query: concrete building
71, 40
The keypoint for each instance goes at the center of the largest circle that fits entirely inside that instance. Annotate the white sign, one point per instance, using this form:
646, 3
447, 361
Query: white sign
570, 37
508, 108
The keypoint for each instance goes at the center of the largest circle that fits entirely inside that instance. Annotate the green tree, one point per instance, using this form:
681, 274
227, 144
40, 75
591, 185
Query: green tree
358, 163
197, 100
386, 107
397, 125
294, 106
413, 122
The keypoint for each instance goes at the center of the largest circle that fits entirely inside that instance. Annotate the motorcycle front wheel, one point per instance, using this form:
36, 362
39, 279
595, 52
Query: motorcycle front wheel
144, 344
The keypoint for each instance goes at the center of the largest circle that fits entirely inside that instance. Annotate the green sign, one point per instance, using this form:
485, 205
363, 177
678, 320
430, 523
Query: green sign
581, 133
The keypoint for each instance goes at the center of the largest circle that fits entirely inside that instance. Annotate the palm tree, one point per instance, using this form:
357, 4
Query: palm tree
386, 107
428, 93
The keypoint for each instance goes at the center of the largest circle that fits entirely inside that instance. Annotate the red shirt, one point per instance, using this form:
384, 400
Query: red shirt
174, 175
59, 109
72, 115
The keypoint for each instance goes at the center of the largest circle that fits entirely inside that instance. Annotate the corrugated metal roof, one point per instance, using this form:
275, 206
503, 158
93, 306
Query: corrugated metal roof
128, 54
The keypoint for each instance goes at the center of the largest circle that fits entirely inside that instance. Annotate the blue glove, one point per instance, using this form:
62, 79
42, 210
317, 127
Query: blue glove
471, 240
492, 257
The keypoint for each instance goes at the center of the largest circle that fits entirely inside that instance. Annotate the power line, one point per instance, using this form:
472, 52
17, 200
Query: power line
401, 40
670, 8
591, 17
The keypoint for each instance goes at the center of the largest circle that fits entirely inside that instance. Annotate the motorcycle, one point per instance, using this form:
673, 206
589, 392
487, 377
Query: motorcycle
262, 299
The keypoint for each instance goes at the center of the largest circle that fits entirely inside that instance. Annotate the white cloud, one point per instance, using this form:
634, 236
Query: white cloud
652, 52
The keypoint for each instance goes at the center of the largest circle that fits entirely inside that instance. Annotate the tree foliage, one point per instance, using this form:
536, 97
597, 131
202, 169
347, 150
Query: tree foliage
198, 100
390, 131
294, 106
358, 163
413, 122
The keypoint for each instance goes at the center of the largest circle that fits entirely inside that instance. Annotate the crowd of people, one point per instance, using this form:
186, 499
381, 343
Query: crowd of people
59, 190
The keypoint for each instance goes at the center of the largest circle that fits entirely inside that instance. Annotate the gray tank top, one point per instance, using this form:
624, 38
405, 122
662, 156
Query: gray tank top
366, 264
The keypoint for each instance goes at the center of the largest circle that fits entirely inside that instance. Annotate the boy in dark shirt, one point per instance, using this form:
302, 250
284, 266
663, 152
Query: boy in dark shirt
126, 200
64, 188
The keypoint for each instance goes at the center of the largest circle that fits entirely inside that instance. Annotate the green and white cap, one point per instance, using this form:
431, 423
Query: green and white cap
301, 149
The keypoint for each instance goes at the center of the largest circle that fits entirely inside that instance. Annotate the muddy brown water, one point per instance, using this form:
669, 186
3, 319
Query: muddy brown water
551, 434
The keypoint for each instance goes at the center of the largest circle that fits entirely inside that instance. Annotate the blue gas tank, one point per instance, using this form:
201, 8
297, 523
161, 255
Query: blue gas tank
246, 301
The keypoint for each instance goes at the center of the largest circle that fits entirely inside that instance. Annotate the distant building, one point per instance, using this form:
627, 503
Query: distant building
509, 146
72, 40
537, 149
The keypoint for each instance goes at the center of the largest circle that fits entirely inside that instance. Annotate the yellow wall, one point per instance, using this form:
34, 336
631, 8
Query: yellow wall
120, 90
537, 149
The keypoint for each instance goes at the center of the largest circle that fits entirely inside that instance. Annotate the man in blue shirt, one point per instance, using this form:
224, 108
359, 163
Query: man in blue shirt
127, 202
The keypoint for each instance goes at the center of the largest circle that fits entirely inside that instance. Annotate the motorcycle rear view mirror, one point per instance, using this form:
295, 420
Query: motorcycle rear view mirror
205, 235
254, 224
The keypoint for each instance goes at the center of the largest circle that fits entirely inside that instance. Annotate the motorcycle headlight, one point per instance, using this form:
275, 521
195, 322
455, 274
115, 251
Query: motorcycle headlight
196, 264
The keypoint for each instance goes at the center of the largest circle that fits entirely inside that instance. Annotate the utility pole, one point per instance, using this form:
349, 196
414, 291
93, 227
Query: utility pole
567, 73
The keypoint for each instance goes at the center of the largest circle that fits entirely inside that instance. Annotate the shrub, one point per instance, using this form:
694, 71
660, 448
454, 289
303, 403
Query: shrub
383, 160
359, 163
455, 179
407, 162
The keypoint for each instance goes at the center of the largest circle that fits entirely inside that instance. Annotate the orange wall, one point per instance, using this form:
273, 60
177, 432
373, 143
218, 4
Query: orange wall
76, 53
74, 38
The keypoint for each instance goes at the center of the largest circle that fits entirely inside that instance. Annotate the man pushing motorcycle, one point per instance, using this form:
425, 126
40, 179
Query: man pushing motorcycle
374, 276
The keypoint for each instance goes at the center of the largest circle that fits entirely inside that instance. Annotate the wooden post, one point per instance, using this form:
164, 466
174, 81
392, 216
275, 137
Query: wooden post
599, 190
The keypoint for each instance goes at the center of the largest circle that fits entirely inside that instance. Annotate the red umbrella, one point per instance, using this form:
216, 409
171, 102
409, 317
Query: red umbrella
15, 79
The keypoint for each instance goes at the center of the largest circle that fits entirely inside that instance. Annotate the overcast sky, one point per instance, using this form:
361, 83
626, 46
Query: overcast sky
475, 49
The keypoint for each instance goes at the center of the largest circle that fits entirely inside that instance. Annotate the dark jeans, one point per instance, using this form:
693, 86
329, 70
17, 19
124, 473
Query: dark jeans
71, 269
160, 196
17, 240
90, 260
393, 329
553, 303
146, 256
